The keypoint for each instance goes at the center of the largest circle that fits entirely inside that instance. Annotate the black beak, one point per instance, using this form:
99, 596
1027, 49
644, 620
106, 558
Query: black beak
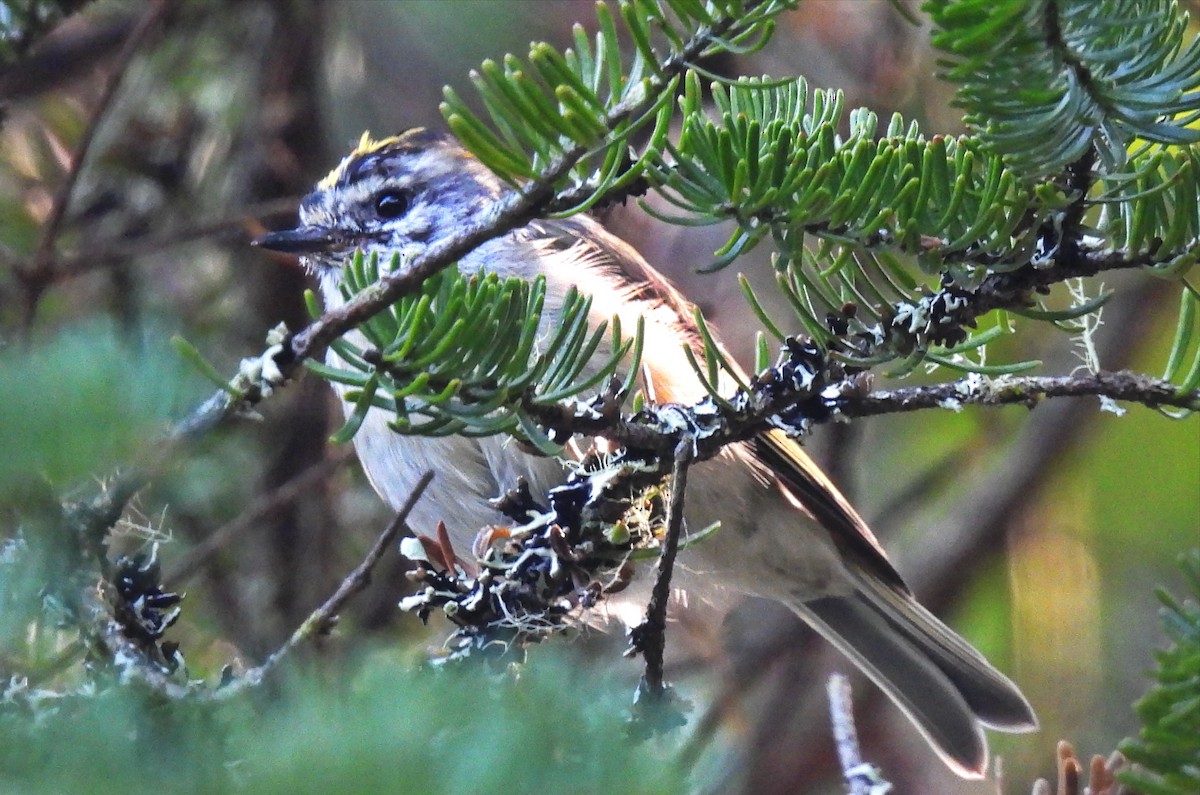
302, 240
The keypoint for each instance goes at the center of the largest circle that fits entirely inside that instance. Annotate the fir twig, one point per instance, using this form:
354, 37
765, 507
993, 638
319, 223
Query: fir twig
322, 620
649, 637
860, 777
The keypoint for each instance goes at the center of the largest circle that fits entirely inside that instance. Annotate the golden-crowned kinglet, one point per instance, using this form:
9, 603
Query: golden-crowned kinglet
786, 532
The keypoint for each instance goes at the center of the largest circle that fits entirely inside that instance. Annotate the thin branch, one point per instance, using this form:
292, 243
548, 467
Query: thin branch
1028, 391
860, 777
652, 431
134, 666
1003, 290
649, 637
321, 620
68, 266
60, 54
36, 278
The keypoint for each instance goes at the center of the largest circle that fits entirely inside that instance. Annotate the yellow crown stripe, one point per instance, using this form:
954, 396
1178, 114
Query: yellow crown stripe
366, 146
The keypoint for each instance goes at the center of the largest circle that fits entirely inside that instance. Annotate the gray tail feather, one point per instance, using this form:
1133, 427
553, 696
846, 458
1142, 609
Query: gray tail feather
942, 684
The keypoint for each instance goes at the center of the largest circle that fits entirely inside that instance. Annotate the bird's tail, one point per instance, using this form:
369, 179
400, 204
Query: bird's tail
940, 682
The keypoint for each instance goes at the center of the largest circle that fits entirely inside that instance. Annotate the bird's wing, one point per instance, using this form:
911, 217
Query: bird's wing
812, 488
796, 472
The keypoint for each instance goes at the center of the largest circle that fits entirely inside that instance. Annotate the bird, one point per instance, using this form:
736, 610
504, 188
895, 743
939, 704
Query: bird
786, 534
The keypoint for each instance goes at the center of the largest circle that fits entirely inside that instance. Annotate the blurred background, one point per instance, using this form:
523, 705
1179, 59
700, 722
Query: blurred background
1040, 535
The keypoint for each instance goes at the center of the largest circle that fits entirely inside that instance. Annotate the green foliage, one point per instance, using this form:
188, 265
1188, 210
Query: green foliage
74, 405
1047, 81
1168, 748
1187, 335
776, 161
552, 727
590, 99
85, 398
472, 355
1074, 135
1152, 208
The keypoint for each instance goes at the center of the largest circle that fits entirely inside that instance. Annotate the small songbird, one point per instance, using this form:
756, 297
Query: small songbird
786, 532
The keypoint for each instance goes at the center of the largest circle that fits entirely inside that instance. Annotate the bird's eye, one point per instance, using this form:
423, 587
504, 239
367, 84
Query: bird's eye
392, 203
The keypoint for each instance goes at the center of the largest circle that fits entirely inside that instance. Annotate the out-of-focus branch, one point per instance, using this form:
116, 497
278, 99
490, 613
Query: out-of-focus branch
36, 277
321, 620
949, 555
202, 553
47, 50
60, 268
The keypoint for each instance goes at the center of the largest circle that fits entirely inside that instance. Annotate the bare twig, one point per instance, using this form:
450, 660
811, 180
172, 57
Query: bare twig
60, 268
37, 277
649, 637
1010, 390
860, 777
652, 433
134, 666
321, 620
55, 56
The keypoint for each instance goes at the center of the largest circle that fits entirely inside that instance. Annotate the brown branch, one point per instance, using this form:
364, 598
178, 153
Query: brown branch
61, 268
134, 666
650, 637
1028, 391
656, 430
61, 53
321, 620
